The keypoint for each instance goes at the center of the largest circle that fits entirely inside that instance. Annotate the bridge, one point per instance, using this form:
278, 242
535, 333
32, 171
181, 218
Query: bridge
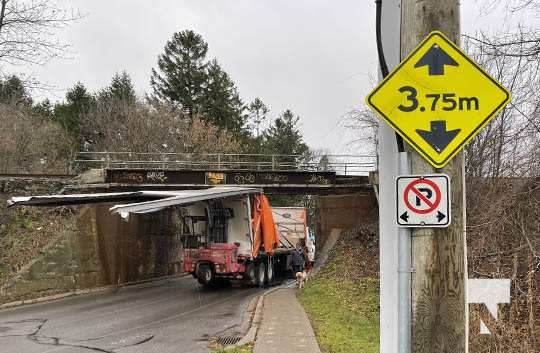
276, 174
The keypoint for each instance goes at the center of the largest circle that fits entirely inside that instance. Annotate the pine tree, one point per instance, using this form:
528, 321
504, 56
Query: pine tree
258, 113
13, 91
69, 114
221, 102
181, 74
283, 137
121, 89
43, 109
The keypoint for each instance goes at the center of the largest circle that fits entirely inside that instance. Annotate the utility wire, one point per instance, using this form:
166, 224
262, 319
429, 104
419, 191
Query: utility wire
382, 60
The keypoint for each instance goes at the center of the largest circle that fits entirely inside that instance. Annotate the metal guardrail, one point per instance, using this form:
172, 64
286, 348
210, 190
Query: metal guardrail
341, 164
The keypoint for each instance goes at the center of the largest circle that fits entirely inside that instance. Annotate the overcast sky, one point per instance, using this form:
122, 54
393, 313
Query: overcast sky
313, 56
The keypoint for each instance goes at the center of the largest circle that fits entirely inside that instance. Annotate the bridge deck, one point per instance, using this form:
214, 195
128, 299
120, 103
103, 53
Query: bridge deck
273, 182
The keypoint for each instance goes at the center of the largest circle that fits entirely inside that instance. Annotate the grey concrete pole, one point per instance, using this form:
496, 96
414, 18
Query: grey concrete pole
388, 170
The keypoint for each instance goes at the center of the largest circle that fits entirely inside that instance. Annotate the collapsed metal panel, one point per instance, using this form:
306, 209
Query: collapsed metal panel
58, 200
183, 197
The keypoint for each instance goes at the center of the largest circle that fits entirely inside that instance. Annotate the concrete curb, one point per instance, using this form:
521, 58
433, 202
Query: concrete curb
79, 292
257, 318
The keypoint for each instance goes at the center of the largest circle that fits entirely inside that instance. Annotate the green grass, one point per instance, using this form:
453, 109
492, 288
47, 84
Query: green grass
243, 349
345, 314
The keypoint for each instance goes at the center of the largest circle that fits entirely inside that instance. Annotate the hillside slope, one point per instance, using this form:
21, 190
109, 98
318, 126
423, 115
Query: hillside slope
342, 300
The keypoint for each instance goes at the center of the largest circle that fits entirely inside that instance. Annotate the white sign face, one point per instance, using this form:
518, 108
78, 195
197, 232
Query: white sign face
423, 200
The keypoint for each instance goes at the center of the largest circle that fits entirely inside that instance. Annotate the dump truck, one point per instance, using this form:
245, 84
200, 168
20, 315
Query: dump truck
241, 238
227, 232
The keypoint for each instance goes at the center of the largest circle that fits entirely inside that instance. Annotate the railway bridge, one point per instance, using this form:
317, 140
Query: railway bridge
276, 174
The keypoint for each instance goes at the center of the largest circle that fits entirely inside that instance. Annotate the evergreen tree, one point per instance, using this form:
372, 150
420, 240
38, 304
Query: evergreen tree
13, 91
181, 74
121, 89
43, 109
221, 103
284, 137
69, 114
258, 113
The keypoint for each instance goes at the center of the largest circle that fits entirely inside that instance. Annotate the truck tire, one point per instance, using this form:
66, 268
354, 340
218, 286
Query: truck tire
261, 274
250, 276
205, 276
270, 271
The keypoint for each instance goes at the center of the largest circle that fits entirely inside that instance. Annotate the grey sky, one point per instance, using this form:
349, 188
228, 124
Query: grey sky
315, 57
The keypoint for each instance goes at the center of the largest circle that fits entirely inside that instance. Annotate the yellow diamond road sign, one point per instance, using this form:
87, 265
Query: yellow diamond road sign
438, 99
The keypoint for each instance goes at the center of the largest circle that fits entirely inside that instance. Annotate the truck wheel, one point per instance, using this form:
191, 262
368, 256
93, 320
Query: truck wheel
205, 275
261, 274
270, 271
250, 275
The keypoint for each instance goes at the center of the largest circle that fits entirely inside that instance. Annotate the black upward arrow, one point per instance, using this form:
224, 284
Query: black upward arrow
436, 58
438, 137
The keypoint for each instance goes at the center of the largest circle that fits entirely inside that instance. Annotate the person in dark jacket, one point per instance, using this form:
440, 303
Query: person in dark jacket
298, 262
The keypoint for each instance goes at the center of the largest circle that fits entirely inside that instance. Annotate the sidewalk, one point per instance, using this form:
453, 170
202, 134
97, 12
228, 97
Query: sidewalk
285, 327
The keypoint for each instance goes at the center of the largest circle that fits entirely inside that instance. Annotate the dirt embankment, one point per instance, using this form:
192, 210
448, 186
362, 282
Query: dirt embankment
26, 231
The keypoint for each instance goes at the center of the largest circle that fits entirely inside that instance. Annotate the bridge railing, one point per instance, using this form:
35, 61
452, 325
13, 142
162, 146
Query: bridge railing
341, 164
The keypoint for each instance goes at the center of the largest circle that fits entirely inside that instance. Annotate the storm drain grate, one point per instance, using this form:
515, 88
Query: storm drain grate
226, 340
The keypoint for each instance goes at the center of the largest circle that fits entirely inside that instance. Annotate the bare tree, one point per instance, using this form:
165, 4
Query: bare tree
28, 30
29, 144
365, 127
120, 126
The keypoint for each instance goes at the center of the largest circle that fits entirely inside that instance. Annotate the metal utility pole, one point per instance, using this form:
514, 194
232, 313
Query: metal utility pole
439, 259
388, 171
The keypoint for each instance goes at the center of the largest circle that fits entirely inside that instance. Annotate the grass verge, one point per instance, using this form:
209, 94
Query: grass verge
345, 315
342, 300
243, 349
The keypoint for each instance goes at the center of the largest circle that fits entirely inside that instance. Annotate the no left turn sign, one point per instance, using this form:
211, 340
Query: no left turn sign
423, 200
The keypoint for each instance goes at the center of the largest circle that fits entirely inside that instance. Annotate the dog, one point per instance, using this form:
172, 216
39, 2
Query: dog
301, 279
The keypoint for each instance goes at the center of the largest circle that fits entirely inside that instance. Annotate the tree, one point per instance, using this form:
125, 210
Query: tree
69, 114
258, 114
27, 30
283, 137
221, 103
13, 91
181, 74
30, 145
44, 110
121, 89
139, 127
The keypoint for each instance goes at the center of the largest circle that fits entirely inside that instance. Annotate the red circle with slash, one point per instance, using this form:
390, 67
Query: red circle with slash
431, 204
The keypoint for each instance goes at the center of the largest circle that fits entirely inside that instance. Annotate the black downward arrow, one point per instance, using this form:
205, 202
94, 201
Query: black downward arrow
440, 216
438, 137
405, 217
435, 58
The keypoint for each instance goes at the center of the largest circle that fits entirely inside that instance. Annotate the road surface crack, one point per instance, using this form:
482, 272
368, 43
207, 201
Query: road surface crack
39, 338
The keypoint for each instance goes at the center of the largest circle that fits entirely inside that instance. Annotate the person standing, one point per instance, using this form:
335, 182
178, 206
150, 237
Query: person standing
298, 262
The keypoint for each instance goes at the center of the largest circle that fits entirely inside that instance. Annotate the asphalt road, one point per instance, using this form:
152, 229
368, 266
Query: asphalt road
174, 316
